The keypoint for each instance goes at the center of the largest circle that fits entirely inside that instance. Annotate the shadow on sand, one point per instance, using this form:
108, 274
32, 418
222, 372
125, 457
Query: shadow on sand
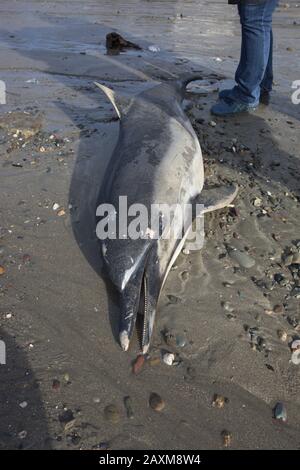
21, 426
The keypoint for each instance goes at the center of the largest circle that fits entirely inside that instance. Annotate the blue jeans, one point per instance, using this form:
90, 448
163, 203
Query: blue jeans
255, 70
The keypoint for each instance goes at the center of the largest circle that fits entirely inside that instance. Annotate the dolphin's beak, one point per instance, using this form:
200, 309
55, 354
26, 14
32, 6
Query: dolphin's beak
145, 303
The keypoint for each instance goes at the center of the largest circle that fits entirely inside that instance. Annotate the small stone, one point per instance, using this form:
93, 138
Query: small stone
227, 306
23, 404
295, 358
22, 434
257, 202
128, 407
295, 345
244, 260
112, 414
278, 309
168, 358
26, 258
61, 213
156, 402
212, 123
138, 364
55, 384
288, 260
180, 341
219, 401
186, 251
279, 278
296, 258
282, 335
42, 149
280, 412
55, 206
102, 446
67, 378
226, 437
66, 416
2, 270
268, 311
69, 425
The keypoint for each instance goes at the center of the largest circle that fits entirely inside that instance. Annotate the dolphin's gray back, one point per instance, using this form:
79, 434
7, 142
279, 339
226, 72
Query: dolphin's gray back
157, 160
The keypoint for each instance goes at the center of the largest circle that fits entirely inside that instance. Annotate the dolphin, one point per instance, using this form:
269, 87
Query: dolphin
157, 161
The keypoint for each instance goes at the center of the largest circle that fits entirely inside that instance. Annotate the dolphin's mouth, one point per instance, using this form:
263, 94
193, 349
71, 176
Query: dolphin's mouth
145, 328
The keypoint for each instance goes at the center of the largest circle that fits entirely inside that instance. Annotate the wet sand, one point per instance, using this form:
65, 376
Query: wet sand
57, 316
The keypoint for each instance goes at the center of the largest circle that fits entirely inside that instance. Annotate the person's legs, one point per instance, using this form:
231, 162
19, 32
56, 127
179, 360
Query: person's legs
256, 53
267, 81
255, 67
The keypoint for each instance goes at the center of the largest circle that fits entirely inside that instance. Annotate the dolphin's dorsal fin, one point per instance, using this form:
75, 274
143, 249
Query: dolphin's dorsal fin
120, 102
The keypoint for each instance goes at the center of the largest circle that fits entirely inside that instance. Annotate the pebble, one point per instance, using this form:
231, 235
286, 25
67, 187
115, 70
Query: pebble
22, 434
55, 206
168, 358
278, 309
295, 358
296, 258
212, 123
112, 414
2, 270
295, 345
244, 260
69, 425
180, 341
67, 378
23, 404
8, 315
280, 412
282, 335
227, 306
156, 402
128, 407
219, 401
66, 416
226, 437
257, 202
138, 364
61, 213
154, 48
26, 258
55, 384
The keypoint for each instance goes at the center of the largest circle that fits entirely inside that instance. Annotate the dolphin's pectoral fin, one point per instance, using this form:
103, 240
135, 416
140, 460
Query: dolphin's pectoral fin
120, 102
217, 197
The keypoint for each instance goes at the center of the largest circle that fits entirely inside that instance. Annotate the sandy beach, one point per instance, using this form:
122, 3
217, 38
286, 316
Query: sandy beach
231, 325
